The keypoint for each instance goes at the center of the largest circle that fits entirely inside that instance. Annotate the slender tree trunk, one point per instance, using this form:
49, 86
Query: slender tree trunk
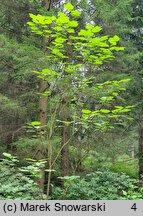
43, 85
49, 161
141, 154
65, 129
65, 152
42, 118
43, 102
79, 146
65, 138
133, 151
42, 110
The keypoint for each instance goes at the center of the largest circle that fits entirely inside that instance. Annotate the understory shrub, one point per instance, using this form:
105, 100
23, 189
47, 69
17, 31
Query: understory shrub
99, 185
129, 167
14, 184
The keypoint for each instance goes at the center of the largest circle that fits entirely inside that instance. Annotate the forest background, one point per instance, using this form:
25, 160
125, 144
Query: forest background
71, 89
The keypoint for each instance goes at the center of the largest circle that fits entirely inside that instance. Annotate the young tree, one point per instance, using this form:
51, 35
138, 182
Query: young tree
70, 50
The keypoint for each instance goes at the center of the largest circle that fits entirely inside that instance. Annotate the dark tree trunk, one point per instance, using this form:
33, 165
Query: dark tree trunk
42, 110
48, 4
43, 101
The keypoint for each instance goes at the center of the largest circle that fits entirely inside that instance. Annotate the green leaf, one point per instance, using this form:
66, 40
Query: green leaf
128, 107
107, 98
73, 24
119, 107
130, 118
89, 26
70, 30
115, 94
123, 89
96, 29
85, 33
107, 82
46, 93
98, 62
117, 48
75, 13
59, 54
49, 20
103, 38
125, 193
30, 159
60, 40
63, 18
124, 110
99, 86
86, 111
58, 28
95, 113
30, 23
69, 6
104, 111
125, 80
32, 16
114, 40
8, 155
36, 123
102, 44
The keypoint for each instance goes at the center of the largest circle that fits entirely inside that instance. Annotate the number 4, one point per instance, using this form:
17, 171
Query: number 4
134, 207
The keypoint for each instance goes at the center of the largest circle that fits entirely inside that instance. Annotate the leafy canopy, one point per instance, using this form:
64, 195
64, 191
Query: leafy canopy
72, 49
66, 40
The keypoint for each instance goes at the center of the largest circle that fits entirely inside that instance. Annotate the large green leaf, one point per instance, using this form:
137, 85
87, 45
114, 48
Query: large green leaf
75, 13
68, 6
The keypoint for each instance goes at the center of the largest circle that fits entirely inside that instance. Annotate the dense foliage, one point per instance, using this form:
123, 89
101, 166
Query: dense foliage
98, 186
15, 185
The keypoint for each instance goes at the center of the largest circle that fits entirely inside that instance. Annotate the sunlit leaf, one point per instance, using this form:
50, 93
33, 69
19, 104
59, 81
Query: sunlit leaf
68, 6
36, 123
75, 13
104, 111
8, 155
73, 24
86, 111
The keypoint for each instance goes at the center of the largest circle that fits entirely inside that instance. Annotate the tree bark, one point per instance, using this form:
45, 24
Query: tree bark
42, 110
43, 102
42, 118
65, 138
65, 152
48, 4
79, 146
141, 154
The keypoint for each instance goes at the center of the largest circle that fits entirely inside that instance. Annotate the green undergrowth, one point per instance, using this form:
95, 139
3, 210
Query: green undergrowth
19, 183
130, 167
100, 185
15, 185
